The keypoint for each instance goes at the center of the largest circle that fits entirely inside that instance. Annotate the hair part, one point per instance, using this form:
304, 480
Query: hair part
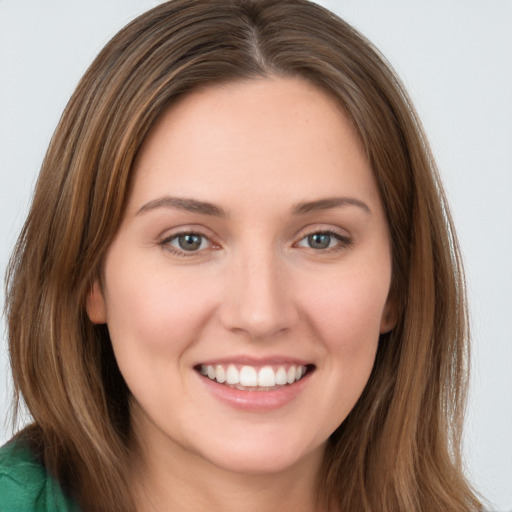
402, 439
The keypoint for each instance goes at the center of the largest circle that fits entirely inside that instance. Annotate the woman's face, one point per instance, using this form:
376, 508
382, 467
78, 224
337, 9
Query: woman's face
254, 249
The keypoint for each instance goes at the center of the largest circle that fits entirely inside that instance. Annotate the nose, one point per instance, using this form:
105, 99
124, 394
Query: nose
259, 299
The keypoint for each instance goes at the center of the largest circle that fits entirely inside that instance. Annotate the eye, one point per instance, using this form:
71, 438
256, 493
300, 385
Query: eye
324, 240
186, 242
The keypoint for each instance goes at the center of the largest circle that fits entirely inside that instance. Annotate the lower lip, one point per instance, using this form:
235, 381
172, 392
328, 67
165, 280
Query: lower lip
258, 401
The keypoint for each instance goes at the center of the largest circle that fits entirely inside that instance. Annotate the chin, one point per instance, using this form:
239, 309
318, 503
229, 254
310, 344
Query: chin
264, 456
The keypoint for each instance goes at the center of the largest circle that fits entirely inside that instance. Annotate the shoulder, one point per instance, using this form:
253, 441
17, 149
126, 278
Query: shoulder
25, 485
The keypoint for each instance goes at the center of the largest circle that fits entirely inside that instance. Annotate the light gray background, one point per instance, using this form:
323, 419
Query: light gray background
455, 57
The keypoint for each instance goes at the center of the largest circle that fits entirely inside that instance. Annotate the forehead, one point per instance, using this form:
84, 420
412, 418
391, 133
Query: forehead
266, 136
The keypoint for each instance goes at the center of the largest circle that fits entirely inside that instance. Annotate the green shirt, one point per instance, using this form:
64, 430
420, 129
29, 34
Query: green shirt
25, 486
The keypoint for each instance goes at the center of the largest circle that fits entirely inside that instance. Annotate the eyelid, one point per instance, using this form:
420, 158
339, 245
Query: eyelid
185, 229
164, 240
323, 228
344, 238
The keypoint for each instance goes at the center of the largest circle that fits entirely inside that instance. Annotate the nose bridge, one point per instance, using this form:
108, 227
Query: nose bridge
258, 298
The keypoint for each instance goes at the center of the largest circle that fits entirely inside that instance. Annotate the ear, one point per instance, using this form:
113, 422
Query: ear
389, 317
95, 304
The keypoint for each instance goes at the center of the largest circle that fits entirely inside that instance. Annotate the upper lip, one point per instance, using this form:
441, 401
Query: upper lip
246, 360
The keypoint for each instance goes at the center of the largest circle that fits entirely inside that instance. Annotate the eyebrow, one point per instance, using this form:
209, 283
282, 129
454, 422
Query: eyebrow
205, 208
322, 205
183, 204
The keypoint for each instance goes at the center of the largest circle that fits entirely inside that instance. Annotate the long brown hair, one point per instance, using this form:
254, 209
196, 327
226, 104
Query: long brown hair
399, 449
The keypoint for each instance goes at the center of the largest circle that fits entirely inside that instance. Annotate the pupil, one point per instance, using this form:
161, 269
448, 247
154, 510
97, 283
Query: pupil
189, 242
319, 240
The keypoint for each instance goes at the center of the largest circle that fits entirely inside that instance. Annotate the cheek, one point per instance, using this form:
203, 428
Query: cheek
151, 316
153, 321
347, 311
346, 319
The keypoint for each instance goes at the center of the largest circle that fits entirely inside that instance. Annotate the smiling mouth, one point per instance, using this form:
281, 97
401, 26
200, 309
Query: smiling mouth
251, 378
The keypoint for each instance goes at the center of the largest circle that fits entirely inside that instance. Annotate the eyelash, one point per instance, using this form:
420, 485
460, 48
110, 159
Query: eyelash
344, 242
166, 244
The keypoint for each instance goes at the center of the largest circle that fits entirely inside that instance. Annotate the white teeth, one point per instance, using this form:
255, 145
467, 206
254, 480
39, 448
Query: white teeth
266, 377
281, 377
220, 374
232, 375
250, 377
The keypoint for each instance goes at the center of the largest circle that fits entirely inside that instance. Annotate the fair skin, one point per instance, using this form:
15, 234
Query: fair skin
254, 244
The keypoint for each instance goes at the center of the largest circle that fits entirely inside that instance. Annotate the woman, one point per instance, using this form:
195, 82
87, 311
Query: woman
238, 286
